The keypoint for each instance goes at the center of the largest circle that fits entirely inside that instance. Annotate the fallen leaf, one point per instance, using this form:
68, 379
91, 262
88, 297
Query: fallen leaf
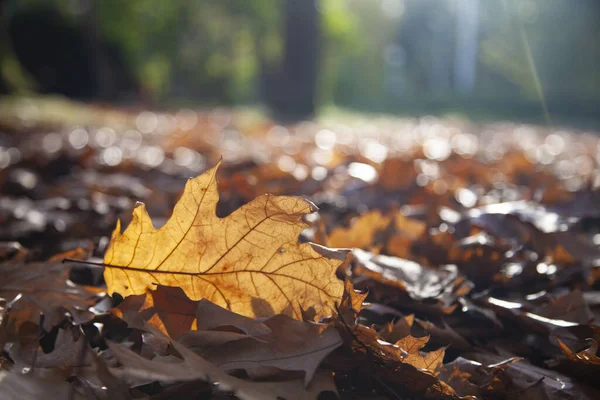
430, 361
570, 307
249, 262
587, 356
71, 350
393, 332
466, 377
418, 281
166, 308
397, 174
195, 339
409, 227
353, 299
43, 287
367, 340
361, 233
290, 346
212, 316
17, 386
516, 378
445, 334
194, 367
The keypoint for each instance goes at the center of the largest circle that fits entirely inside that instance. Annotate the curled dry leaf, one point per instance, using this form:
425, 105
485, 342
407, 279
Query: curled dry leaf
588, 356
166, 308
249, 262
43, 287
194, 367
260, 347
291, 346
353, 299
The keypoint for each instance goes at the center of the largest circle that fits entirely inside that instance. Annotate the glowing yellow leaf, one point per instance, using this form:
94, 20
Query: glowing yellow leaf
249, 262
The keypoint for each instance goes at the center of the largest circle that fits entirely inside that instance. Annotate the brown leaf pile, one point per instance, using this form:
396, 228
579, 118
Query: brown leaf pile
441, 263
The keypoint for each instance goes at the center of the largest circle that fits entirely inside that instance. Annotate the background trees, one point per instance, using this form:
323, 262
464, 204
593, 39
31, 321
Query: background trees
400, 56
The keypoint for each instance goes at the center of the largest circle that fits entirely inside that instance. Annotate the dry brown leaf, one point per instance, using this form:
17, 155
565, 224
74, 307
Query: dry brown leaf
249, 262
352, 298
445, 334
395, 331
410, 227
406, 231
43, 287
197, 339
430, 361
361, 233
211, 316
194, 367
71, 350
367, 339
291, 346
587, 356
569, 307
418, 281
166, 308
261, 348
396, 173
516, 378
17, 386
399, 246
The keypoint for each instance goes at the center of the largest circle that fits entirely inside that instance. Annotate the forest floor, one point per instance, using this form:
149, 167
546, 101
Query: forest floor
469, 261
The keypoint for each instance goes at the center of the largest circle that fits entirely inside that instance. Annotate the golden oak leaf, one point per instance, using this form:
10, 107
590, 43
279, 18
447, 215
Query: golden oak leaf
249, 262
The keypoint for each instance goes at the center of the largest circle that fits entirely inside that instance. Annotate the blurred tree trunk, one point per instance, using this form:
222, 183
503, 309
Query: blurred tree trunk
289, 89
3, 44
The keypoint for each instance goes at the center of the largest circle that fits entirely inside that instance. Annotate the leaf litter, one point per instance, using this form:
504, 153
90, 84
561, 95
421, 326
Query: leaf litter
441, 263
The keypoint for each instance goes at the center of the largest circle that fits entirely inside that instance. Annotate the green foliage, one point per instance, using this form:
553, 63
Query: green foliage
214, 51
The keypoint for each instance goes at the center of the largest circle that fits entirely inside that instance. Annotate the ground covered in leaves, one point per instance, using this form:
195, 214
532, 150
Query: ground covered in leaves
447, 259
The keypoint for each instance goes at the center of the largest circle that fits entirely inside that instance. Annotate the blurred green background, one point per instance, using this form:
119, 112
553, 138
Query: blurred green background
535, 60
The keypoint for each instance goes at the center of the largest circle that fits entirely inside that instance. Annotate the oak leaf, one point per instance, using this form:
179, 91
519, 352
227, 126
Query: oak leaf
211, 316
194, 367
249, 262
70, 350
166, 308
31, 288
290, 346
430, 361
17, 386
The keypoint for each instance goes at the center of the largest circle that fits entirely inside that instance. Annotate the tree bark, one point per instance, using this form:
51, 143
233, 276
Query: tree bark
290, 89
